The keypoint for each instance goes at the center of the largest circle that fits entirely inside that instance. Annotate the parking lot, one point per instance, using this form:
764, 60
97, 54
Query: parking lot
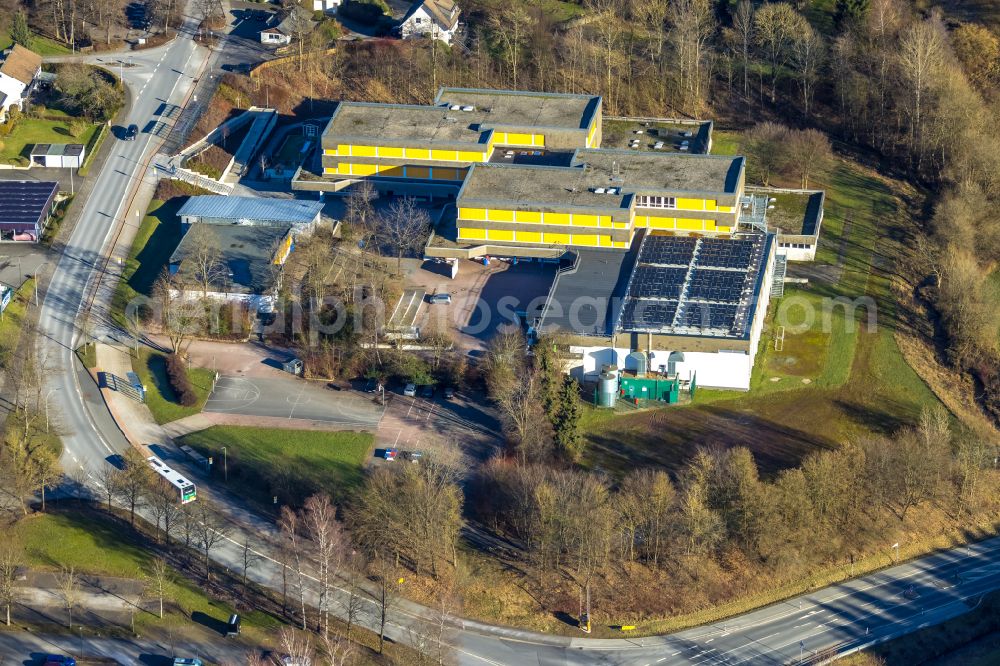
458, 431
292, 398
19, 261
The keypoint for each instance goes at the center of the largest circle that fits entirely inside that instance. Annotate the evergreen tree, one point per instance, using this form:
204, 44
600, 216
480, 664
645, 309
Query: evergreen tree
549, 374
20, 33
850, 11
566, 421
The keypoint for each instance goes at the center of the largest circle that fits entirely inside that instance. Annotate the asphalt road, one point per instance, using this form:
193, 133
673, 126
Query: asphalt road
292, 399
23, 648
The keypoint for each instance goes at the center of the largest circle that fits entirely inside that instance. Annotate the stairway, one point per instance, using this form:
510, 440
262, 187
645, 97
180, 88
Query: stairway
778, 283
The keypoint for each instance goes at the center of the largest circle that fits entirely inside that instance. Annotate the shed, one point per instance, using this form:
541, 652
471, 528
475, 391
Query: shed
293, 366
60, 155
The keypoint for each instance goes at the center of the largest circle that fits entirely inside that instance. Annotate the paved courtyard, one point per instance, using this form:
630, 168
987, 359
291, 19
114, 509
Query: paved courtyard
293, 399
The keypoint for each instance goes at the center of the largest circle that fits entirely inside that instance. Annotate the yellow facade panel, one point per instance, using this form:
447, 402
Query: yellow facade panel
555, 218
362, 151
528, 237
584, 221
585, 240
662, 222
557, 239
329, 151
471, 234
619, 244
724, 209
690, 225
363, 169
445, 155
724, 230
471, 214
343, 149
529, 216
500, 235
417, 153
390, 152
330, 171
501, 215
469, 156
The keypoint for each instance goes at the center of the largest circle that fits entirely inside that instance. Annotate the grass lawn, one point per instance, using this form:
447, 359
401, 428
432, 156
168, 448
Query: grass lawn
88, 355
13, 317
725, 143
154, 242
858, 383
30, 131
151, 366
93, 543
291, 464
43, 46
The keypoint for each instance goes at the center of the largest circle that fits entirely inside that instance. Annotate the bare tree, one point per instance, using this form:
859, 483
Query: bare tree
180, 318
319, 521
203, 260
509, 30
743, 29
336, 651
134, 481
288, 523
404, 227
809, 153
251, 558
69, 591
162, 502
210, 530
158, 576
386, 593
10, 564
776, 26
807, 55
297, 645
922, 56
108, 480
692, 24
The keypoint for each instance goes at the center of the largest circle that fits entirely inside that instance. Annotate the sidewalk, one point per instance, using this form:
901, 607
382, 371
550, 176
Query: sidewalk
133, 418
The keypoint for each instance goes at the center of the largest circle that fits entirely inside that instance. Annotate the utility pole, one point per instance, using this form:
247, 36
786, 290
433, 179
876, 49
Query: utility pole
225, 464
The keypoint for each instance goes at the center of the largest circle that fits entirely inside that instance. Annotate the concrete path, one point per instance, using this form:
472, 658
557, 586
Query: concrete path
133, 418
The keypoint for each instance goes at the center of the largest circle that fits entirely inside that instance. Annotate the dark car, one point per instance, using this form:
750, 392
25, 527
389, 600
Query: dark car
233, 627
449, 393
131, 132
427, 392
371, 386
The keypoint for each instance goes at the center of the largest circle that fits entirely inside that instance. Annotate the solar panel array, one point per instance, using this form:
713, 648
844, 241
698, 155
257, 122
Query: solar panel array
722, 253
642, 314
24, 202
658, 281
667, 250
700, 286
707, 315
712, 285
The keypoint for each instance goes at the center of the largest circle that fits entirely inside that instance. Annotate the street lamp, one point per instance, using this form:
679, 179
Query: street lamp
895, 547
225, 464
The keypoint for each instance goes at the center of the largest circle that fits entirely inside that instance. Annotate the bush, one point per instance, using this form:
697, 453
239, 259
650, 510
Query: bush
369, 12
179, 382
77, 126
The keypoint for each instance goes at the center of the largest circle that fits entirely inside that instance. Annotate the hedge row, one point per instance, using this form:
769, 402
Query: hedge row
179, 382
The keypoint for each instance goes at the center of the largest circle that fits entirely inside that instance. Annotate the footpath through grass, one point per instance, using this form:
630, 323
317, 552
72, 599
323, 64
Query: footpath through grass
151, 366
292, 464
94, 543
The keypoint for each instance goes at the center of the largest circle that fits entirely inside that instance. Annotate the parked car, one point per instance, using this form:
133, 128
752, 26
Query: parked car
441, 299
427, 392
390, 454
187, 661
449, 393
131, 132
410, 390
289, 660
59, 660
413, 456
371, 386
233, 628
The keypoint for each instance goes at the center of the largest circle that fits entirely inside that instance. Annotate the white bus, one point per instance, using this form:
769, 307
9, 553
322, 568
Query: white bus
185, 489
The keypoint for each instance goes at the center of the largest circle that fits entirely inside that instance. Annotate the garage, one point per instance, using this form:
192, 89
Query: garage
59, 155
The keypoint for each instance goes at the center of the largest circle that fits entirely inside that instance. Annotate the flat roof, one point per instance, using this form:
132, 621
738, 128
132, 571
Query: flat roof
410, 124
24, 204
691, 137
259, 209
586, 298
247, 252
524, 108
793, 213
71, 149
620, 174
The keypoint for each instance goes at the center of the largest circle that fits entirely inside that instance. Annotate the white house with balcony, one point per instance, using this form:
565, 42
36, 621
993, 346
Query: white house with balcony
437, 19
18, 71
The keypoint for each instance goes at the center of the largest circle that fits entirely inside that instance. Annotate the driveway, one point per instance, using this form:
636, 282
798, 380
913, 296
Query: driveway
293, 399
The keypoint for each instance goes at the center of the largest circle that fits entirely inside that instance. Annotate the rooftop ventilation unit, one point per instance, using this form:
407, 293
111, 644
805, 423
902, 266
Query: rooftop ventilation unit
468, 108
455, 107
599, 190
450, 119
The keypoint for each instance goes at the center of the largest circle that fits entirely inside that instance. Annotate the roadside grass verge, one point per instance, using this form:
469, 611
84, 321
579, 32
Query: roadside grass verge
289, 464
93, 147
151, 366
43, 46
157, 238
87, 353
13, 319
94, 543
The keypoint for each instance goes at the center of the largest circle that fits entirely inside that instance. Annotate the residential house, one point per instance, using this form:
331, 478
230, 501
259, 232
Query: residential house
437, 19
18, 70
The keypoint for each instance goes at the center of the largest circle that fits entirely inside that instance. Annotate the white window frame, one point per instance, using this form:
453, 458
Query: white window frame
643, 201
